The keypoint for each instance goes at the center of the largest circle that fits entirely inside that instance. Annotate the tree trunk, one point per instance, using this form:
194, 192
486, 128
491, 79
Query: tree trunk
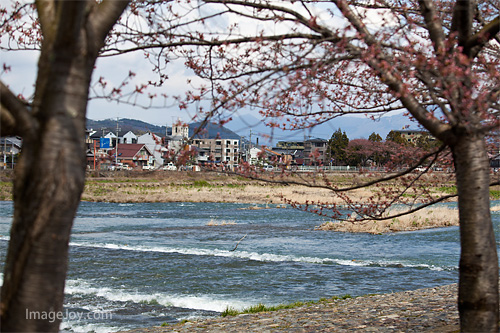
48, 183
478, 280
49, 180
50, 174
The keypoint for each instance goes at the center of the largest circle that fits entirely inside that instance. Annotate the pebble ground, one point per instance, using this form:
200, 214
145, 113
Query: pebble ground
423, 310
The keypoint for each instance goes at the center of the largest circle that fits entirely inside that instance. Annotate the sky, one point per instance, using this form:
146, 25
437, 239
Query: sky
21, 80
22, 77
113, 70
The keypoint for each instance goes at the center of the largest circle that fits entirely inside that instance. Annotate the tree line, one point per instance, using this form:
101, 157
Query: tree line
377, 152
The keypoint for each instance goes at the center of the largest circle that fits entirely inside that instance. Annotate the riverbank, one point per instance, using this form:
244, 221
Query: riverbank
173, 186
423, 310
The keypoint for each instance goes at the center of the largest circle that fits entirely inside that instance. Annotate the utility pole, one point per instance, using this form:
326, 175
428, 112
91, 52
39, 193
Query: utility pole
249, 155
241, 147
117, 139
5, 153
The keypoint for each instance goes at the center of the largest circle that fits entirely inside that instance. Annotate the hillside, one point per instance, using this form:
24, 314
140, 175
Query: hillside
355, 128
241, 127
212, 131
125, 125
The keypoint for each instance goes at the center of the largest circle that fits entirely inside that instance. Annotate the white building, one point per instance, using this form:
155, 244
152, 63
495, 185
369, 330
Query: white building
154, 144
179, 138
112, 137
225, 151
129, 137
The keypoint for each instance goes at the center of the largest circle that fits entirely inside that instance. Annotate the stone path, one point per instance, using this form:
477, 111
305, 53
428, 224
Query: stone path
424, 310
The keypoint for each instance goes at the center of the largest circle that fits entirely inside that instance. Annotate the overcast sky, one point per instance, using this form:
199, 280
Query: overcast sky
22, 77
21, 80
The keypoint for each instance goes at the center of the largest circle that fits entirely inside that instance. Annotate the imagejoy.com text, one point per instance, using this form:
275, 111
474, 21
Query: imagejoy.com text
52, 316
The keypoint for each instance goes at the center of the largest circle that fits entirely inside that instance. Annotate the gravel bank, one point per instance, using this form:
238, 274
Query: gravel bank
424, 310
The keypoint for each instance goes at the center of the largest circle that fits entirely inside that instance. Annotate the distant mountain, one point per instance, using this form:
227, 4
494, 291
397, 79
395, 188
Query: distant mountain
213, 131
138, 127
125, 125
355, 128
247, 125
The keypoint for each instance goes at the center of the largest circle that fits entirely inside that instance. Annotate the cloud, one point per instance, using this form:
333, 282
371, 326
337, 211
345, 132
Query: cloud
22, 76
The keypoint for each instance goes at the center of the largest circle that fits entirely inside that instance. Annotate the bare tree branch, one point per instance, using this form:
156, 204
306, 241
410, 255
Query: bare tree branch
437, 128
47, 15
463, 14
482, 37
433, 23
16, 118
238, 243
102, 18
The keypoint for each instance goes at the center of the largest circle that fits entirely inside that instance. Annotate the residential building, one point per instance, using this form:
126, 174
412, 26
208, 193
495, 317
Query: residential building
176, 138
315, 151
292, 150
290, 145
129, 137
9, 148
112, 137
254, 155
154, 144
209, 145
218, 151
180, 130
133, 155
412, 136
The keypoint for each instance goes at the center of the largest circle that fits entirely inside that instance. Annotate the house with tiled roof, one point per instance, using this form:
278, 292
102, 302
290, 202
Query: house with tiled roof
135, 155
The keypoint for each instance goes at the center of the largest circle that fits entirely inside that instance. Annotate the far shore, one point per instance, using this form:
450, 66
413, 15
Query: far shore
173, 186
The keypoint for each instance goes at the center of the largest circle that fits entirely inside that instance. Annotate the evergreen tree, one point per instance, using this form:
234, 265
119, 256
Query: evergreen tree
427, 142
375, 137
395, 136
337, 146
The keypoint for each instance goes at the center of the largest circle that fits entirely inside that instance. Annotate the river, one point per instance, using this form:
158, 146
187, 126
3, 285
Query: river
146, 264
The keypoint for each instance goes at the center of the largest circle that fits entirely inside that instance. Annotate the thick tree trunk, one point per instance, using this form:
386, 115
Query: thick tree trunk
478, 281
50, 174
49, 180
47, 189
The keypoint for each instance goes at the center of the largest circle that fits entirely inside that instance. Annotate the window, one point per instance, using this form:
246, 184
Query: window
228, 151
218, 143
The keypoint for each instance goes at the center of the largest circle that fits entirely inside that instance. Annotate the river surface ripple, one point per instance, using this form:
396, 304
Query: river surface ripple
145, 264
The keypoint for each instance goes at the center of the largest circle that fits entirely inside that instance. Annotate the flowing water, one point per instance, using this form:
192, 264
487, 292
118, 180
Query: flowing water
145, 264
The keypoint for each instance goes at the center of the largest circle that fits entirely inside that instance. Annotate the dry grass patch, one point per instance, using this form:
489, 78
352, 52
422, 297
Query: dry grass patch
433, 217
213, 222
